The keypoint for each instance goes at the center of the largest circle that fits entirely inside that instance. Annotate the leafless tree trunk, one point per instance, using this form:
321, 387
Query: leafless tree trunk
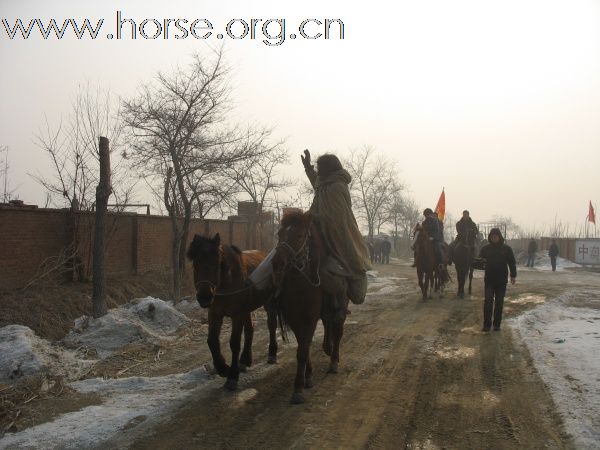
103, 191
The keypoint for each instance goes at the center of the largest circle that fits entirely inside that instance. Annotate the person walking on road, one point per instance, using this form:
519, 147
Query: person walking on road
531, 251
553, 254
499, 259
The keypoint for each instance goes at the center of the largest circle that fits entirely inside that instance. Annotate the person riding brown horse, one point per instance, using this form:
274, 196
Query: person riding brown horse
332, 212
466, 232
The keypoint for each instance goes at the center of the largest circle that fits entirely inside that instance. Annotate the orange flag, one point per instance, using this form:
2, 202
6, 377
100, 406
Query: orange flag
592, 214
440, 208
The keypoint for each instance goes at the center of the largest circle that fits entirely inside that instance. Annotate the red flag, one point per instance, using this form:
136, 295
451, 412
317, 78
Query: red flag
592, 214
440, 208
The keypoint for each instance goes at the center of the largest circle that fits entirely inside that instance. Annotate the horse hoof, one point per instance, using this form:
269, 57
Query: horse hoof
297, 398
223, 371
272, 359
243, 368
333, 368
231, 385
308, 383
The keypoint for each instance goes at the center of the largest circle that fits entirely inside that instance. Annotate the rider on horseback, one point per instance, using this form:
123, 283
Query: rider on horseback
431, 224
467, 232
332, 209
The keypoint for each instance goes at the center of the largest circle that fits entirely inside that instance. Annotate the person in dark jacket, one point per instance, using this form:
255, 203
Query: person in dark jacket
431, 224
531, 251
553, 254
499, 259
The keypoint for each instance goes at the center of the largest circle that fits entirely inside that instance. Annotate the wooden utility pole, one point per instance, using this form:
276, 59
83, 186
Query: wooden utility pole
103, 191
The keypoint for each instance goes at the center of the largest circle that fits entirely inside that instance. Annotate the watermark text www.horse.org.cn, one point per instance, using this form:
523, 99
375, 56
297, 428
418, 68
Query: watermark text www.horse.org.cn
272, 32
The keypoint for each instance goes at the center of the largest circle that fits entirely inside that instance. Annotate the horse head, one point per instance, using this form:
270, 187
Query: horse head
213, 267
294, 245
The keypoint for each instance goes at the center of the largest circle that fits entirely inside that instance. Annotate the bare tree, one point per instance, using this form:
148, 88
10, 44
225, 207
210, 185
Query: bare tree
258, 177
8, 192
374, 184
512, 229
404, 215
73, 149
179, 140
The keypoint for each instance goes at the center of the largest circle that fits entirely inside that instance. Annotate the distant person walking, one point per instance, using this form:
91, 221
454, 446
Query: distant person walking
499, 259
386, 248
553, 254
532, 249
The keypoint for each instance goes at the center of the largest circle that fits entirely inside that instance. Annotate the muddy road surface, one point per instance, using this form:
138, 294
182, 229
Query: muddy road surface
413, 374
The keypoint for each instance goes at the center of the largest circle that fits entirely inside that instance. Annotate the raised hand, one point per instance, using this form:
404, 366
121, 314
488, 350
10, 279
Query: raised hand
306, 159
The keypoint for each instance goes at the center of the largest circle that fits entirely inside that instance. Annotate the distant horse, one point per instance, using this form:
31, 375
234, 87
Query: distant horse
427, 269
462, 256
375, 247
221, 280
302, 299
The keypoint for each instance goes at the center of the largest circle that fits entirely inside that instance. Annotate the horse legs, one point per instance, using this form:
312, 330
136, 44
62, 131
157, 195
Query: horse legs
337, 331
302, 356
304, 365
326, 335
308, 382
246, 356
237, 324
429, 280
272, 324
215, 322
470, 279
460, 275
421, 276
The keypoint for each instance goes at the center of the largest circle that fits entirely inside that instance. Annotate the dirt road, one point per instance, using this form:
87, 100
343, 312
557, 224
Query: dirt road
413, 374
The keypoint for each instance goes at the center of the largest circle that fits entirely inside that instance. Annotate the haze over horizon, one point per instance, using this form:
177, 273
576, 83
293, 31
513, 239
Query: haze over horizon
497, 102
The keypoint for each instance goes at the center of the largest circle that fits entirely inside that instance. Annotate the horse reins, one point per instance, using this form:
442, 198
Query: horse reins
300, 259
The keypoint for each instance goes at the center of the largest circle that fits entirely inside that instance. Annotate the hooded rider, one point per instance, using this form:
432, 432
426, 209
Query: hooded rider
332, 209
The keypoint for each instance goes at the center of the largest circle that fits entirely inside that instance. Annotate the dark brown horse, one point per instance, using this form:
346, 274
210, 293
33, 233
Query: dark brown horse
301, 298
221, 280
463, 258
427, 269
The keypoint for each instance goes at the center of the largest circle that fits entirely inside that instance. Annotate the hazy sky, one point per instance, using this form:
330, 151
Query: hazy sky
497, 101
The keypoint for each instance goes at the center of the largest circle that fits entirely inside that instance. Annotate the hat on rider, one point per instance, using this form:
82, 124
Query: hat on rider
427, 211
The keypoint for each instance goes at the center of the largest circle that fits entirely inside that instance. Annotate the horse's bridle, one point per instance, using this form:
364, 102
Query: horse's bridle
216, 287
300, 259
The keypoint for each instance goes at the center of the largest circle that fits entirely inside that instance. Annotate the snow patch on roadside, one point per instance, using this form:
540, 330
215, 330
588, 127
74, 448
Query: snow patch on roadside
22, 353
128, 402
148, 319
564, 342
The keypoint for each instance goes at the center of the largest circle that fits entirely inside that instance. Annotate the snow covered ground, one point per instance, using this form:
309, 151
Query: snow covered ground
563, 338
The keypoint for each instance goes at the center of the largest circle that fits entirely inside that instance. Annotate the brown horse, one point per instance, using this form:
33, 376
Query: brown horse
301, 298
221, 280
427, 270
462, 256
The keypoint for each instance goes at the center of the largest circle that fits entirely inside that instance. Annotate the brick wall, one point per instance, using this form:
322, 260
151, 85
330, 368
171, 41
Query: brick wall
135, 244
